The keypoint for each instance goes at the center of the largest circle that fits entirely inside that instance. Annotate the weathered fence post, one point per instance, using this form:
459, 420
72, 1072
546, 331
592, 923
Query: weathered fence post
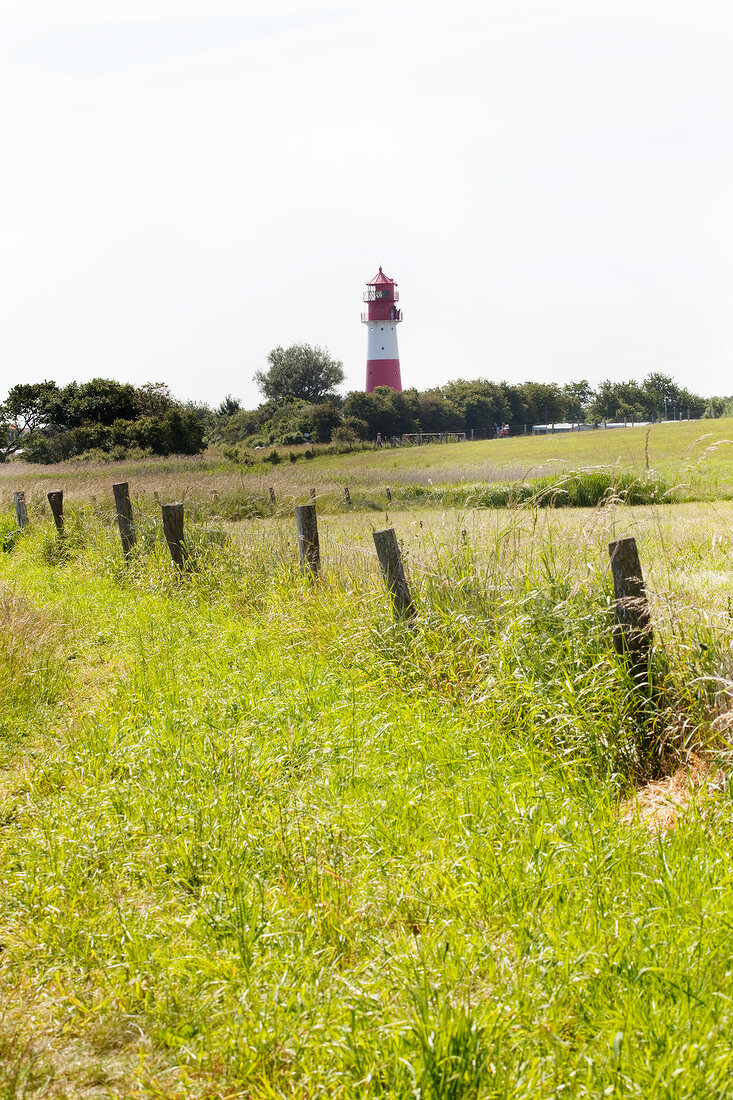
125, 521
632, 632
389, 495
347, 494
272, 496
313, 494
173, 530
390, 561
21, 510
56, 500
307, 527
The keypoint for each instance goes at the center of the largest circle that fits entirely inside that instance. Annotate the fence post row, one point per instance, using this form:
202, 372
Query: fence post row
125, 520
306, 522
56, 501
390, 561
173, 530
632, 632
21, 511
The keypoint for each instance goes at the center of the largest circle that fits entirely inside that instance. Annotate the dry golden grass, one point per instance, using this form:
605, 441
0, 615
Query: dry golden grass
659, 805
24, 632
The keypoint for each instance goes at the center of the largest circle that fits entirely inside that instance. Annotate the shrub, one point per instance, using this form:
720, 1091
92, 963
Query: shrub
345, 434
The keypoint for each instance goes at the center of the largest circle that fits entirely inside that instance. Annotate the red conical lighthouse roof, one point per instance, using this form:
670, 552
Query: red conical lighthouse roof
379, 279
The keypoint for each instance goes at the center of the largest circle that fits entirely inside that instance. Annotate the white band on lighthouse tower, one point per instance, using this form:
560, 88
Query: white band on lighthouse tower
382, 340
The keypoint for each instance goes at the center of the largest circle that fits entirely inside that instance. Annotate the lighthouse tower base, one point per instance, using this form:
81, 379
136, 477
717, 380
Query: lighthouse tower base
383, 359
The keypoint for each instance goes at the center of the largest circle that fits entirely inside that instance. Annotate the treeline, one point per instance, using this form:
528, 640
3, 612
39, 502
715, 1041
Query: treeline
101, 418
457, 407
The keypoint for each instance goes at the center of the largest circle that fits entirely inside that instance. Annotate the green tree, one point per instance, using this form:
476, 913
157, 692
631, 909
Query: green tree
543, 401
50, 424
621, 401
718, 406
300, 371
385, 410
482, 404
245, 423
576, 397
228, 407
323, 419
206, 417
24, 412
660, 392
100, 401
153, 399
438, 413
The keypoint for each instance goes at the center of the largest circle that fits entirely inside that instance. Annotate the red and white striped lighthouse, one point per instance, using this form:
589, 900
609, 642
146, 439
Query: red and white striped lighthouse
381, 319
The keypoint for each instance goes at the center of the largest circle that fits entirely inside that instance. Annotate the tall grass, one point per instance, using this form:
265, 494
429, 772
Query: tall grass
32, 672
287, 846
682, 461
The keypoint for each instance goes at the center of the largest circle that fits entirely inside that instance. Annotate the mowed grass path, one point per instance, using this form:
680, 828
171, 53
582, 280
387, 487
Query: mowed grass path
259, 840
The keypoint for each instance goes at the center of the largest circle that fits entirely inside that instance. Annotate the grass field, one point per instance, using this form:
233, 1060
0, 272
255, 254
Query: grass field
259, 839
690, 460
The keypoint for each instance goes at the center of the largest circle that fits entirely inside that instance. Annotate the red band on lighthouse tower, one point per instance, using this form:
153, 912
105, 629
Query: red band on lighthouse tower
381, 319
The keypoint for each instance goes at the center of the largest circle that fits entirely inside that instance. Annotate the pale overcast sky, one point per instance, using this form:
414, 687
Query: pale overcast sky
188, 183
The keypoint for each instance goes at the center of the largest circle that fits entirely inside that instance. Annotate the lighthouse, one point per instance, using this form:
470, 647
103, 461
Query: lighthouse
381, 319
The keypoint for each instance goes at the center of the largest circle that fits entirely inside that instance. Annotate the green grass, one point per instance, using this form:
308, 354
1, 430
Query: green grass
260, 840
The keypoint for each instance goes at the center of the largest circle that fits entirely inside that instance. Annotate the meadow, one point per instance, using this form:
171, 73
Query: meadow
689, 460
260, 838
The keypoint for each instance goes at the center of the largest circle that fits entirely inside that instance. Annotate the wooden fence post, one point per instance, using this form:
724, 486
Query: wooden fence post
306, 522
56, 500
632, 632
21, 511
313, 494
347, 494
389, 495
390, 561
125, 520
272, 496
173, 530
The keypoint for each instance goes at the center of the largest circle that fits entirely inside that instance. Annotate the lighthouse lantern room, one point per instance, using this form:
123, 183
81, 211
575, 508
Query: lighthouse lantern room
381, 319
